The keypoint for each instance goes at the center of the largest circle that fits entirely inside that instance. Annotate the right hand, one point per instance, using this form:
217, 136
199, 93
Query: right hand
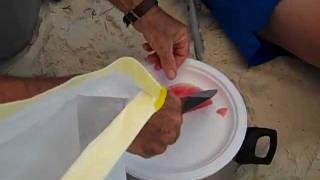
161, 130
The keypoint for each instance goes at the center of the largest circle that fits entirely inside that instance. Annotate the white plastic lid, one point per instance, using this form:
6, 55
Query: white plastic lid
207, 141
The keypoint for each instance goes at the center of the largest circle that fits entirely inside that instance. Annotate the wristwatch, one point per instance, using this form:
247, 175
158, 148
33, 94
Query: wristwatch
133, 15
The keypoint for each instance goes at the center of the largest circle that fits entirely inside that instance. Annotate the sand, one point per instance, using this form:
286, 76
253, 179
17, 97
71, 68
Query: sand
79, 36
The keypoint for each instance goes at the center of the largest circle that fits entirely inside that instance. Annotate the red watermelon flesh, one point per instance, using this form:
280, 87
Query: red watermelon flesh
222, 111
183, 89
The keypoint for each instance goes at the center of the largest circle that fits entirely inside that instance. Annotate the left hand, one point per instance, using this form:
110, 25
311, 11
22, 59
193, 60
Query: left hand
167, 40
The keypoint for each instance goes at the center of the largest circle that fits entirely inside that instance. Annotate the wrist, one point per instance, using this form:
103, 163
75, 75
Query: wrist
39, 85
146, 21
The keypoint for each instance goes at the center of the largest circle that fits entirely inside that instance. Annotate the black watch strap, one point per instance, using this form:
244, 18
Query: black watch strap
132, 16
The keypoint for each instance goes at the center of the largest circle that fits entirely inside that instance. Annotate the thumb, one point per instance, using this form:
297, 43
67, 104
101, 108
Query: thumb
168, 63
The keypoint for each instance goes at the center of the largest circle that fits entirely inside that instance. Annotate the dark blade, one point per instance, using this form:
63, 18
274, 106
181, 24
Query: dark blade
194, 100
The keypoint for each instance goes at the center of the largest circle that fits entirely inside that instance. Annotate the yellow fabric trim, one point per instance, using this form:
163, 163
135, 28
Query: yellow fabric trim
162, 98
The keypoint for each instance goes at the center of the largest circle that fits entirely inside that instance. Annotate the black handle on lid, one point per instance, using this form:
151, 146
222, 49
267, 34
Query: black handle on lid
246, 154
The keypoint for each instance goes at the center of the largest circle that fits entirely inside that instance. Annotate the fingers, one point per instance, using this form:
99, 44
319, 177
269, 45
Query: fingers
156, 146
170, 57
161, 130
154, 59
169, 133
181, 50
180, 58
168, 63
169, 137
153, 148
147, 47
165, 57
149, 146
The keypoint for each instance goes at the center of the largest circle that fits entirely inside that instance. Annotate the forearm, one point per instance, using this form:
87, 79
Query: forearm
14, 88
126, 5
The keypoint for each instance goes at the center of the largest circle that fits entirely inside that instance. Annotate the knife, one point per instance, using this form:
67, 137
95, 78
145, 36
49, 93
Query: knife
196, 99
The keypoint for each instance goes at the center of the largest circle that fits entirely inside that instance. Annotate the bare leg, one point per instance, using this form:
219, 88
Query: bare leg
295, 26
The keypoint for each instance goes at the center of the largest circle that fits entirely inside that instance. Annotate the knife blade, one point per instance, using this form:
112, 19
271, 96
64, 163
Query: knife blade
196, 99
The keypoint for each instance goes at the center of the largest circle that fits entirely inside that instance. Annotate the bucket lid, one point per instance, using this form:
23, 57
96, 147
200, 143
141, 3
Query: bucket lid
208, 140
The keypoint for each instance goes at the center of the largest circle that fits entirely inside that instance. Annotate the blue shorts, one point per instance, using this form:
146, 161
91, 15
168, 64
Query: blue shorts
241, 20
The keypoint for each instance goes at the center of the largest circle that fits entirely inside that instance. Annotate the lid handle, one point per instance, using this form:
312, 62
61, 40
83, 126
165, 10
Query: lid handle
246, 154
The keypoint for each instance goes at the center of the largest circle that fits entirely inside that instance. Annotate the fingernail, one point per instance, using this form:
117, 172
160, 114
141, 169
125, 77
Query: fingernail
171, 74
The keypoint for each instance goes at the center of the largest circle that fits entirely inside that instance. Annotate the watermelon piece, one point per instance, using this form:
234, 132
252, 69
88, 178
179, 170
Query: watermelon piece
222, 111
183, 89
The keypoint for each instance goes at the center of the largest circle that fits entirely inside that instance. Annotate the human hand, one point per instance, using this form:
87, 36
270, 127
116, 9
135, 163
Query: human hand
167, 40
161, 130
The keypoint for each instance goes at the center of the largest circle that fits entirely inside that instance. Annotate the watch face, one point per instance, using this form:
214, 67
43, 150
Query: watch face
130, 18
